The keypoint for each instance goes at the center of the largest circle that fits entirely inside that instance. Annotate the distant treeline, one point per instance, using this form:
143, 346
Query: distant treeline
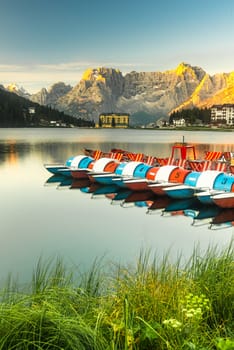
192, 116
16, 111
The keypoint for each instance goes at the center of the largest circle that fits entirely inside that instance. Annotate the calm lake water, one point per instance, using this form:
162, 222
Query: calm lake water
39, 219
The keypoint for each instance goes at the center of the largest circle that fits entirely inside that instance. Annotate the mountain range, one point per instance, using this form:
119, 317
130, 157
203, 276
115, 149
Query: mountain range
152, 95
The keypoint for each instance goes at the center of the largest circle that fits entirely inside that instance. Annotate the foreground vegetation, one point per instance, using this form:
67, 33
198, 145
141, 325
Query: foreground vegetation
153, 305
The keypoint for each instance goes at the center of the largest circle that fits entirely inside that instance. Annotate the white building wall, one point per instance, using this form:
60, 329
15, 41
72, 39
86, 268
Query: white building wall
221, 113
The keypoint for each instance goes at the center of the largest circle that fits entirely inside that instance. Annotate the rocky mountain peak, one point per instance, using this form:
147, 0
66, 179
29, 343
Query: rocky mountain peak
102, 78
156, 94
93, 75
51, 96
59, 89
192, 72
103, 90
100, 74
40, 97
18, 90
182, 68
97, 92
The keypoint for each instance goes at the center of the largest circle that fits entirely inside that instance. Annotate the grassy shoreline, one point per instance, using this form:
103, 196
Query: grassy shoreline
153, 305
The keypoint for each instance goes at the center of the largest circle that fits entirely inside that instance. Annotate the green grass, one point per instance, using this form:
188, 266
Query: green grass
153, 305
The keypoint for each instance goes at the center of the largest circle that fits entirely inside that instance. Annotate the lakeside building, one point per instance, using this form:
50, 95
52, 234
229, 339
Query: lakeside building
222, 114
179, 122
113, 120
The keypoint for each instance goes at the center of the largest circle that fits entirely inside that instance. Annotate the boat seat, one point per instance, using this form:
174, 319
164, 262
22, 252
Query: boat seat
212, 155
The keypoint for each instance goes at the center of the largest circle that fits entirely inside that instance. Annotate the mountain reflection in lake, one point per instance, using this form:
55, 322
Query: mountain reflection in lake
54, 216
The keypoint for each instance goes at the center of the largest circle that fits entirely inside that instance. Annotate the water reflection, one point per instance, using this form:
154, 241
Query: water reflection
42, 216
212, 216
52, 145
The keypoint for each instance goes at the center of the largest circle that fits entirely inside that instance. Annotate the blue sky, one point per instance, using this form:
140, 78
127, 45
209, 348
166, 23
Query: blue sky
43, 42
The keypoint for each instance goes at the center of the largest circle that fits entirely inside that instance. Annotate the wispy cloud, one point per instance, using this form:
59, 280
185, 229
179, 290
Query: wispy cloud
70, 66
65, 66
36, 76
11, 68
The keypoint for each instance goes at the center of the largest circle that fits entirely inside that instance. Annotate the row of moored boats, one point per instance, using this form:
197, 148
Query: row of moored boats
177, 182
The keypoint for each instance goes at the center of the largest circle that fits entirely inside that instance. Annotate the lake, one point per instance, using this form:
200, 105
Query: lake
41, 219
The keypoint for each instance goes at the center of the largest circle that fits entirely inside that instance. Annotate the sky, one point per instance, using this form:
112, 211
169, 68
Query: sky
46, 41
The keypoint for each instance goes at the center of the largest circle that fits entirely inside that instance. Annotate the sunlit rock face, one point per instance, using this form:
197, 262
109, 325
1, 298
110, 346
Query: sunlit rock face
106, 90
152, 94
159, 92
97, 92
216, 89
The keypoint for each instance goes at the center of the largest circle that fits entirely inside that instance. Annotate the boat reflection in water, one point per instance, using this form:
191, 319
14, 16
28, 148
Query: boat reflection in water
59, 181
79, 183
92, 187
225, 218
137, 196
66, 183
202, 215
180, 205
118, 197
54, 180
103, 190
158, 204
211, 215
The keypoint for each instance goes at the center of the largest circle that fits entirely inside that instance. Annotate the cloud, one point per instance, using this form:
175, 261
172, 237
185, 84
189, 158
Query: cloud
36, 76
10, 68
67, 66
